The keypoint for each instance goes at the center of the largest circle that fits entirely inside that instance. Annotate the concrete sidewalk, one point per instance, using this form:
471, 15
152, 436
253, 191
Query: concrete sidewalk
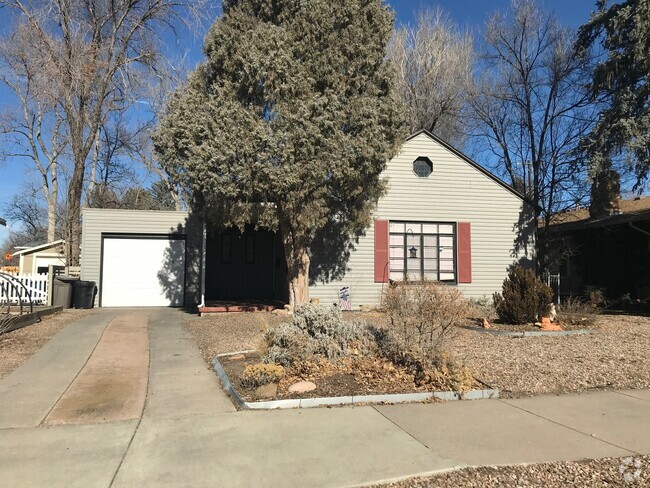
190, 435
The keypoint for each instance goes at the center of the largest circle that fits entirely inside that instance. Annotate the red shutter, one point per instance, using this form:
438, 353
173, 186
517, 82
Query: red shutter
381, 251
464, 252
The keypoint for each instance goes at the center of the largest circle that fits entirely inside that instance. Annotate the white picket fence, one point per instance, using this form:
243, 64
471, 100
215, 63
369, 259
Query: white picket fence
36, 287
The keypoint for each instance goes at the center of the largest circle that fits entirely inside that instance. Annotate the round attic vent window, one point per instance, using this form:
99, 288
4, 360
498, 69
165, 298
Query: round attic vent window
422, 167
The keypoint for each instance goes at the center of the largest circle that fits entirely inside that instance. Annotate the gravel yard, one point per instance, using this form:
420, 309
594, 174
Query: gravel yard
618, 357
18, 346
595, 473
230, 332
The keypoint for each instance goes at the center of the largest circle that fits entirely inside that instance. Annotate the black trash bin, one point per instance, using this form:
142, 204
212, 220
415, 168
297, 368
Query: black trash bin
62, 290
84, 294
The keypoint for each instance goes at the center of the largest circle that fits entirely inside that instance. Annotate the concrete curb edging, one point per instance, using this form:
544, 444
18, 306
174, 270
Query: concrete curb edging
344, 400
32, 317
532, 333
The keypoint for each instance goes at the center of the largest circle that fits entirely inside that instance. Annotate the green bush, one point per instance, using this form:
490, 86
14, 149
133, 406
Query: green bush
524, 297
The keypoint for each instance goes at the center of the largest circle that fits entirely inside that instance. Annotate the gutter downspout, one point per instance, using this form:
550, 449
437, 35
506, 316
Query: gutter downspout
203, 255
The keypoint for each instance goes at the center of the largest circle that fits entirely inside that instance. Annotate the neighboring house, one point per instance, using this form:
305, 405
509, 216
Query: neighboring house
36, 257
443, 217
610, 253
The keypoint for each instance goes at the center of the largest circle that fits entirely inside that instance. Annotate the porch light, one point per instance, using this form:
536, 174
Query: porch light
413, 252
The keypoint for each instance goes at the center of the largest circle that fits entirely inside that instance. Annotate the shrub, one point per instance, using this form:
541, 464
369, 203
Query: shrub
316, 332
575, 311
482, 308
525, 298
261, 374
423, 315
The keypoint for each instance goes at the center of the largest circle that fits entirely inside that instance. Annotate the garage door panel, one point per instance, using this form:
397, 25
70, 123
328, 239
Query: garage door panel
140, 272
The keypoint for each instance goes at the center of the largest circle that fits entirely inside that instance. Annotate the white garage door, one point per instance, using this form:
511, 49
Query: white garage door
143, 272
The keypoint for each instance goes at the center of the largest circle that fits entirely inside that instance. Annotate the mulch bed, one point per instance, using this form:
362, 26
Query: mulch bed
347, 377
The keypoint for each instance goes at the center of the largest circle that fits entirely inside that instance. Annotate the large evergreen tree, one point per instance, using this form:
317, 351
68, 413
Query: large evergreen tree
622, 82
289, 122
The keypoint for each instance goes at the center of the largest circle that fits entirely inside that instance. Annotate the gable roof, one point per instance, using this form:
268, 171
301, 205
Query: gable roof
40, 247
471, 162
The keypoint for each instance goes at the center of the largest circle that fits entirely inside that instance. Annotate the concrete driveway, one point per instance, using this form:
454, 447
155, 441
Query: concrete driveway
123, 398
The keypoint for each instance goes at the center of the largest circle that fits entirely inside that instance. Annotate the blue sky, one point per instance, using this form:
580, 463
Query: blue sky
468, 14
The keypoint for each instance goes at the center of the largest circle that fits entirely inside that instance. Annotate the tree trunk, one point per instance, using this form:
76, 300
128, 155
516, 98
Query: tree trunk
297, 257
51, 219
75, 190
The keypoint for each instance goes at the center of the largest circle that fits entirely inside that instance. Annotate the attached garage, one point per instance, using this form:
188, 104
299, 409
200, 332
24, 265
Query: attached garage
144, 271
142, 258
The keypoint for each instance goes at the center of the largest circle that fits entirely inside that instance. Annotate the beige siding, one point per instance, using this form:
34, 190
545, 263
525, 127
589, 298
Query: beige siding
455, 192
27, 264
98, 221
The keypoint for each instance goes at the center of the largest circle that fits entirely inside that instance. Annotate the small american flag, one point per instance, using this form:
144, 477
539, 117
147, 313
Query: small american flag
344, 298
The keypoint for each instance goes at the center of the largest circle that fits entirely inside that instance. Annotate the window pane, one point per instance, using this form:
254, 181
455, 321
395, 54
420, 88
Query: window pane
446, 254
396, 276
412, 240
429, 228
412, 263
446, 265
397, 252
447, 276
397, 227
413, 227
447, 241
430, 252
431, 264
396, 240
431, 275
396, 264
414, 276
446, 229
430, 240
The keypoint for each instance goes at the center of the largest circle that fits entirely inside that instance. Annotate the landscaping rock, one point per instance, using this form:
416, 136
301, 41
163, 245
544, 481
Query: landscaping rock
280, 312
267, 391
547, 325
302, 387
486, 324
236, 357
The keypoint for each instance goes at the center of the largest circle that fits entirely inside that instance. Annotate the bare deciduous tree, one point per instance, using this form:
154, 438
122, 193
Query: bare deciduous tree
35, 129
98, 57
434, 63
532, 108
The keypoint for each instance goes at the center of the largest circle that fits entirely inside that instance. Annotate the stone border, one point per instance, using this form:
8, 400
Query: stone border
531, 333
344, 400
32, 317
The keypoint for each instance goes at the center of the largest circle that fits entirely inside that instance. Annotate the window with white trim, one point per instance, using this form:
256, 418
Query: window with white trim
422, 250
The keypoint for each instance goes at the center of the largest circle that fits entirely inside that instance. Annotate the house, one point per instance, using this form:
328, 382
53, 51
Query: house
35, 258
609, 253
443, 217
